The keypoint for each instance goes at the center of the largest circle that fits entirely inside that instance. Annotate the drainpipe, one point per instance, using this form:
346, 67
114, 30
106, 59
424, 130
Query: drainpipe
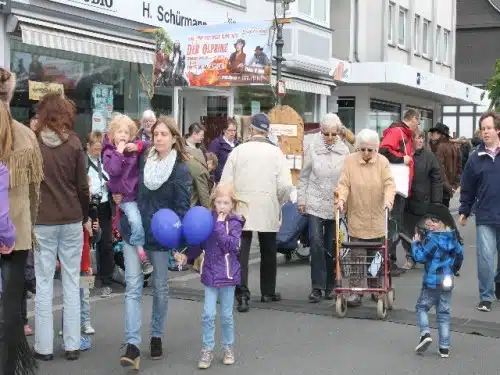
356, 31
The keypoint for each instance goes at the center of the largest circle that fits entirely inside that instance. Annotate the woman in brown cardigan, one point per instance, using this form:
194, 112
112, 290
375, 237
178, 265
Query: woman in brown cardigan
19, 151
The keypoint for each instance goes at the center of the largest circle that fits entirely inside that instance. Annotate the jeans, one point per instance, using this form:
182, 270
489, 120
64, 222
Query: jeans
268, 263
226, 300
134, 280
131, 210
66, 242
321, 234
488, 245
441, 300
396, 225
84, 306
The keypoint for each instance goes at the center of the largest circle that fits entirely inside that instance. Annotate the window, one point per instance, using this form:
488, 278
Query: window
416, 34
425, 38
390, 31
316, 9
446, 47
402, 27
438, 45
383, 114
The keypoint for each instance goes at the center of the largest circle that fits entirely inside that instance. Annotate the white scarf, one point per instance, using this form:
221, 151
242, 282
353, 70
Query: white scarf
157, 170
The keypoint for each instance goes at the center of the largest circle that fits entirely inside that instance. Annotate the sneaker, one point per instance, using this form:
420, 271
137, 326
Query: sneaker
106, 292
146, 266
132, 357
484, 306
87, 329
205, 360
228, 356
28, 331
444, 353
497, 291
155, 348
424, 343
85, 343
315, 296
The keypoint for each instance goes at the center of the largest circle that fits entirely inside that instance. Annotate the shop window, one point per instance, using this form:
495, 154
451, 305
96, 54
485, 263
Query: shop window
383, 114
451, 122
346, 112
466, 108
449, 109
466, 126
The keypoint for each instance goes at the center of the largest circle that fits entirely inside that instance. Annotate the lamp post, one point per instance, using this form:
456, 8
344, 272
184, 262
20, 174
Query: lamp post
279, 39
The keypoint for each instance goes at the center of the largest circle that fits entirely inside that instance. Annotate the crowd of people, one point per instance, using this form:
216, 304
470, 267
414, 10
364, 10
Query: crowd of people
59, 198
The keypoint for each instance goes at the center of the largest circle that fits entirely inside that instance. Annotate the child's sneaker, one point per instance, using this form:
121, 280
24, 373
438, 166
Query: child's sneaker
228, 356
147, 267
205, 360
85, 343
444, 353
87, 329
424, 343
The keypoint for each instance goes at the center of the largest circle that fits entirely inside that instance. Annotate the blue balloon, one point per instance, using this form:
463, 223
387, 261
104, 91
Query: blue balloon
197, 225
167, 228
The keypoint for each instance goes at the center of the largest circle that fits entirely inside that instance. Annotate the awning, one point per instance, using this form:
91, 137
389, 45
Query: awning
49, 35
304, 86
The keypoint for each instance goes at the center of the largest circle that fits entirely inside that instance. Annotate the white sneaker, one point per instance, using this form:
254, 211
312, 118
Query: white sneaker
87, 329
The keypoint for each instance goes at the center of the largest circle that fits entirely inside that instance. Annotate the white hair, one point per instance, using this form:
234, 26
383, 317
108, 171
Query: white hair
331, 121
147, 114
367, 136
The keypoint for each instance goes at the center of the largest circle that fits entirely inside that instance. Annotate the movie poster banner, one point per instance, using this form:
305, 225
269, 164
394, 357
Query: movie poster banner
216, 55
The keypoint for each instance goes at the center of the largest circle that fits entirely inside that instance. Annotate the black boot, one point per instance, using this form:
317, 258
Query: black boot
155, 348
132, 357
243, 305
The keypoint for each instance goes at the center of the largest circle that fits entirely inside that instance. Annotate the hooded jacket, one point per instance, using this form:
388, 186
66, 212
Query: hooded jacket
64, 193
396, 143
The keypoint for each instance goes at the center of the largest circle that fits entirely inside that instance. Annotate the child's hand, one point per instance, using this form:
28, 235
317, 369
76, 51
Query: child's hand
131, 147
222, 216
121, 147
4, 250
416, 237
180, 259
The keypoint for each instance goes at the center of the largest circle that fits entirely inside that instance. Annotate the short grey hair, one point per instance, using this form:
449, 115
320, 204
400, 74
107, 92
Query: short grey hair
147, 114
331, 121
367, 136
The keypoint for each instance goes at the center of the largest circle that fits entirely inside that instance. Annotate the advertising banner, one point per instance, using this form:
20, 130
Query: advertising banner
102, 106
37, 90
217, 55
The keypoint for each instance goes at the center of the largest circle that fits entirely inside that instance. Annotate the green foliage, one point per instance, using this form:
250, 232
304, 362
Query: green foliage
494, 88
163, 41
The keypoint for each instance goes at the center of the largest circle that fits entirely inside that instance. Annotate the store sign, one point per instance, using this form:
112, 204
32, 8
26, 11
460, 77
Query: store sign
216, 55
155, 12
284, 130
37, 90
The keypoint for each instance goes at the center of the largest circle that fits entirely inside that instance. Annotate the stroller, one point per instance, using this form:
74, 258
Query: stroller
293, 236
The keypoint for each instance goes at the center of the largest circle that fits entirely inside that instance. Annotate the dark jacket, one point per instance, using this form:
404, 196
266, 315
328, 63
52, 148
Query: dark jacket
64, 192
427, 186
222, 150
480, 185
220, 266
174, 194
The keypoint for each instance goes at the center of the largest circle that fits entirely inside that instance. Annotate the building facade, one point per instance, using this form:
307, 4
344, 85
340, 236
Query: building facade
402, 55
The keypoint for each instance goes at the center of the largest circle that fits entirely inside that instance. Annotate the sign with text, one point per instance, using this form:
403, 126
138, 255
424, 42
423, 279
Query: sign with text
284, 130
38, 89
216, 55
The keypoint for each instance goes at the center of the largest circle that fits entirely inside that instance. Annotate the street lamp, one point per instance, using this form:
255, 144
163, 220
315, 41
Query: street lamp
279, 38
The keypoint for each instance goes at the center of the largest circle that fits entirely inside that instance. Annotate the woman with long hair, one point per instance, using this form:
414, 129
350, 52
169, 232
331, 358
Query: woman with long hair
20, 153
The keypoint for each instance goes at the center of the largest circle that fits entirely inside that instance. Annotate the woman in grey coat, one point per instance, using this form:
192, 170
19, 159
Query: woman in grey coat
323, 163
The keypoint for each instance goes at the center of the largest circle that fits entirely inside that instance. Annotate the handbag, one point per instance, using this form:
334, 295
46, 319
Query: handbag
401, 174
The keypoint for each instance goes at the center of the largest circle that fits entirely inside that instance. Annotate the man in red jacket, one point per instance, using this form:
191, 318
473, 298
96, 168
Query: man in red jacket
397, 147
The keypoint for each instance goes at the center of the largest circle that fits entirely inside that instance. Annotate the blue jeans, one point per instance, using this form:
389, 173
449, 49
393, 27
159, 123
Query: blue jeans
226, 299
488, 245
131, 210
134, 280
441, 300
321, 232
66, 242
84, 306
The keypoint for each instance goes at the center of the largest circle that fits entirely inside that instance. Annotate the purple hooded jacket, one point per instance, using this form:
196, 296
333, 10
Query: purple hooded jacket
7, 230
123, 169
220, 266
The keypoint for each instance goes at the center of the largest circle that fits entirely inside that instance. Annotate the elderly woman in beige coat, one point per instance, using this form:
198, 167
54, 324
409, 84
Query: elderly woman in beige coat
365, 190
324, 160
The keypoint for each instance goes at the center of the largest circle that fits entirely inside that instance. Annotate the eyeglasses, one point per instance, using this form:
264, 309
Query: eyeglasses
330, 134
366, 149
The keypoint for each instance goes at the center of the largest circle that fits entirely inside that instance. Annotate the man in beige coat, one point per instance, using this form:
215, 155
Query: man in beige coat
263, 182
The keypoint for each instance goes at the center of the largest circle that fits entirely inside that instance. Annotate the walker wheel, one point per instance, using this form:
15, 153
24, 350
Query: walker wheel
381, 309
341, 306
391, 297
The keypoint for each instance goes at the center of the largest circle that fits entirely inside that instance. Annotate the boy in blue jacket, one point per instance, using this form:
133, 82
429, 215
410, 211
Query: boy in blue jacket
440, 251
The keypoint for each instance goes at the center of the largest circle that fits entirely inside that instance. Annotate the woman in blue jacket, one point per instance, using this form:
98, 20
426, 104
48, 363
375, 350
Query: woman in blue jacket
164, 183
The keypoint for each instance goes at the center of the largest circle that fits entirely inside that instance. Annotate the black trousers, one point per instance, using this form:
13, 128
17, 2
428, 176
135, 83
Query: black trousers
446, 200
15, 354
105, 254
396, 225
268, 263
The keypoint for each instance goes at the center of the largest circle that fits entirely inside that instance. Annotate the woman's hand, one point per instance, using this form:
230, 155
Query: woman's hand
388, 206
96, 226
463, 220
340, 206
117, 198
131, 147
88, 227
222, 216
4, 250
121, 147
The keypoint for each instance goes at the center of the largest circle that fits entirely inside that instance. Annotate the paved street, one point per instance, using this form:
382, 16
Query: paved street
295, 337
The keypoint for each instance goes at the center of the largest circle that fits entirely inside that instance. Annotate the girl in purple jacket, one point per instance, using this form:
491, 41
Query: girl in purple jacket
120, 158
220, 273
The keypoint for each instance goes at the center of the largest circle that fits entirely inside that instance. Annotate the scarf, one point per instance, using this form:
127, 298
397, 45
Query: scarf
157, 170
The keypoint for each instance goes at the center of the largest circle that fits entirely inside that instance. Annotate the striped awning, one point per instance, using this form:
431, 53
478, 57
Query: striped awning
304, 86
49, 35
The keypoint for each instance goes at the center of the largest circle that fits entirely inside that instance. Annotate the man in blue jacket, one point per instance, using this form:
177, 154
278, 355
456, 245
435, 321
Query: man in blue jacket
481, 185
